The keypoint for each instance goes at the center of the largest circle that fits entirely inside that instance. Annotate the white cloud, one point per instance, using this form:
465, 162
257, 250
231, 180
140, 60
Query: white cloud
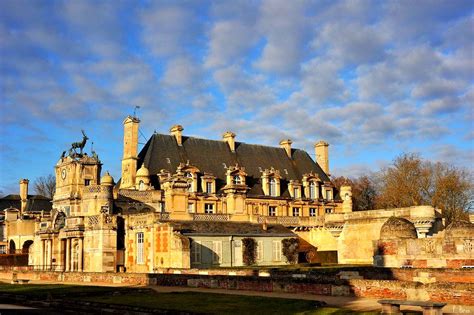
284, 24
229, 41
168, 30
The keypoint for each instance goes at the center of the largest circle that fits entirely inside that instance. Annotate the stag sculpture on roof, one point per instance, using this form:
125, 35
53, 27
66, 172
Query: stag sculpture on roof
78, 145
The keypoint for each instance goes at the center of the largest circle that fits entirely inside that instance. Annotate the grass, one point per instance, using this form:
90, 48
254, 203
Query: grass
208, 303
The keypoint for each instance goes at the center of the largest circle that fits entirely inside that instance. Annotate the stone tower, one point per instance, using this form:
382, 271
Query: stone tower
130, 151
73, 175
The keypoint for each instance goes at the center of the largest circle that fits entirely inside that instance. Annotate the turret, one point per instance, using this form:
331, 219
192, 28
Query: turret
346, 195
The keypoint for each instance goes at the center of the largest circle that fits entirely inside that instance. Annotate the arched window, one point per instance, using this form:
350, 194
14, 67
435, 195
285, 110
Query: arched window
12, 247
141, 185
312, 190
273, 188
237, 180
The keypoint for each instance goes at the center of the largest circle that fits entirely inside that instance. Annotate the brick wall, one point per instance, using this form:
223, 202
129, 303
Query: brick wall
452, 286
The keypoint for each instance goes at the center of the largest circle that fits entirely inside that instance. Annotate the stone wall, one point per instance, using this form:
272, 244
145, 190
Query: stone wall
355, 244
451, 286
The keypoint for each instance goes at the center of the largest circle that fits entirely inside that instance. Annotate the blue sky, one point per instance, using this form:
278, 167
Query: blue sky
373, 78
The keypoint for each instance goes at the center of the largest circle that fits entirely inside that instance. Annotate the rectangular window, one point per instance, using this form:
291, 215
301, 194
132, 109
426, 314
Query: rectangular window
312, 212
276, 251
87, 182
259, 251
295, 193
190, 207
328, 195
140, 253
329, 210
312, 190
217, 252
196, 252
296, 212
272, 211
208, 187
208, 208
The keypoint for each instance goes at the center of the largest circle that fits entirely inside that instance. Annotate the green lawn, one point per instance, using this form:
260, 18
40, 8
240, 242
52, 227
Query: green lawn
208, 303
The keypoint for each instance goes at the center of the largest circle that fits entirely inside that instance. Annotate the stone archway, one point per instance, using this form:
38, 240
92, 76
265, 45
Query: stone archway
26, 247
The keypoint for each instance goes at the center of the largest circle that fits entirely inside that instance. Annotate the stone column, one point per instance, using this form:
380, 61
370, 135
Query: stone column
71, 255
42, 255
50, 254
80, 255
68, 254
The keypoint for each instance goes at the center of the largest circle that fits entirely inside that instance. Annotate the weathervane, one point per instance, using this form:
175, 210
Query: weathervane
135, 111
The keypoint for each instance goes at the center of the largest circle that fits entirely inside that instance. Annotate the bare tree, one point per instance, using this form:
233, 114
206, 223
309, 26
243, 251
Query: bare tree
411, 181
363, 191
45, 186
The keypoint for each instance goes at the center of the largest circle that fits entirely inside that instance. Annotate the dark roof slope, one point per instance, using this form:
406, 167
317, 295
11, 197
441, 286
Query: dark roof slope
228, 228
35, 203
211, 156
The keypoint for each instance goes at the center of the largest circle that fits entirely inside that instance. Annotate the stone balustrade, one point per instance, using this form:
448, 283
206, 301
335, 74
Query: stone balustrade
211, 217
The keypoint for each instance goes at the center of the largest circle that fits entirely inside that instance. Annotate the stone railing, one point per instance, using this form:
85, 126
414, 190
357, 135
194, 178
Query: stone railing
93, 220
312, 221
293, 221
334, 217
279, 220
144, 196
163, 216
211, 217
95, 191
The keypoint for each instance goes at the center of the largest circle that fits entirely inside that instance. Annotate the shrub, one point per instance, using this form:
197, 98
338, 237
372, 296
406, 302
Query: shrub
249, 251
290, 249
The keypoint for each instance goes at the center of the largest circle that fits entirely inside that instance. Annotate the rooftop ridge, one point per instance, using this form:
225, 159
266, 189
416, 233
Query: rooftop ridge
236, 142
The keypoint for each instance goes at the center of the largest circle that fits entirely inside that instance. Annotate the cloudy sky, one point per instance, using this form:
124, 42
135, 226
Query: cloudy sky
373, 78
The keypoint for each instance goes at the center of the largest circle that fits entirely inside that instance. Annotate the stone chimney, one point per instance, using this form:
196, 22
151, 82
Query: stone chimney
177, 132
130, 151
322, 155
229, 137
24, 194
286, 144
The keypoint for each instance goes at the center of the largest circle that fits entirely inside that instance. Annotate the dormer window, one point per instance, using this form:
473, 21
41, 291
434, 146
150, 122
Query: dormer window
191, 182
312, 190
329, 194
237, 180
296, 193
235, 175
208, 183
271, 182
273, 187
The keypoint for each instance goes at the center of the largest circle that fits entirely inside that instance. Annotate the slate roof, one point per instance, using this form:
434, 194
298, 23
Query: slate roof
212, 156
36, 203
229, 228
